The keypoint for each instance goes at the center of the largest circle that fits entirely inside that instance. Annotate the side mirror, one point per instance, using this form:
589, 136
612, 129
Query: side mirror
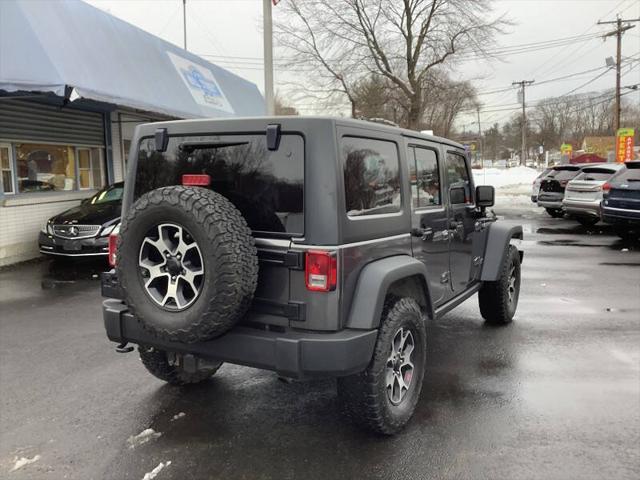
485, 196
456, 195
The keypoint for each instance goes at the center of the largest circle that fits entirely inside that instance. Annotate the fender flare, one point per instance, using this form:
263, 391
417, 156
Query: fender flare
498, 240
374, 282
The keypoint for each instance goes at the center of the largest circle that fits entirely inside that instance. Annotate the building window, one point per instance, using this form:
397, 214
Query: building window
6, 169
371, 176
90, 174
47, 168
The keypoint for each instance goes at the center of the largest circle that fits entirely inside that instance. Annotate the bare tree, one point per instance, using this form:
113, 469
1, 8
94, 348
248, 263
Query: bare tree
338, 42
283, 106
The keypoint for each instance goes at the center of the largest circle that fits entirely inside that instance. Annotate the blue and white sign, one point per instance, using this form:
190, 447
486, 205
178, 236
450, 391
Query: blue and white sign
201, 83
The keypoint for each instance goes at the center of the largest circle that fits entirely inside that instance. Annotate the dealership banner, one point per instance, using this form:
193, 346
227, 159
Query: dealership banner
624, 145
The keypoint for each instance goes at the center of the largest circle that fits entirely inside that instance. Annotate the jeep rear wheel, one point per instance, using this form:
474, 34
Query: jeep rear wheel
498, 300
157, 362
187, 263
384, 396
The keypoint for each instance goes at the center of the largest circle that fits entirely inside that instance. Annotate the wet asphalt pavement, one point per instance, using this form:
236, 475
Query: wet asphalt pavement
555, 395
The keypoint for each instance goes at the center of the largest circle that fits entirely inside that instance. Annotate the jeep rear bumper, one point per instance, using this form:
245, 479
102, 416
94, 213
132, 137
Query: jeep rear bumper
290, 353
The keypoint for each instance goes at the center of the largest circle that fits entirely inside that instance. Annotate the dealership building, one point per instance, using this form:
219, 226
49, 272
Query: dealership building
74, 83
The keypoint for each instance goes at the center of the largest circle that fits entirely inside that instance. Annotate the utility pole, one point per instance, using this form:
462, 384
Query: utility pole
523, 155
184, 22
620, 29
268, 56
481, 149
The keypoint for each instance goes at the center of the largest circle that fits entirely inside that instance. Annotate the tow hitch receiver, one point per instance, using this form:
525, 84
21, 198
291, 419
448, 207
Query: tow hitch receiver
122, 348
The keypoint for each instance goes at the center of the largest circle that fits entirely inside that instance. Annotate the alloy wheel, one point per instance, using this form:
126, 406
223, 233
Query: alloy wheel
171, 266
399, 368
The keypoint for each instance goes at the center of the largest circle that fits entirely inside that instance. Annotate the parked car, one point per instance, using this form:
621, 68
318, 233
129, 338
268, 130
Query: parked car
552, 188
83, 231
536, 185
297, 264
583, 194
621, 203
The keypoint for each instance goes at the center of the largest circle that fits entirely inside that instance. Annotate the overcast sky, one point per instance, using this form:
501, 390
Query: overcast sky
230, 31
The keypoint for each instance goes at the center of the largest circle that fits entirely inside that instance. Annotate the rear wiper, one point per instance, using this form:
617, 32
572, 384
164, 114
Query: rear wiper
189, 147
633, 179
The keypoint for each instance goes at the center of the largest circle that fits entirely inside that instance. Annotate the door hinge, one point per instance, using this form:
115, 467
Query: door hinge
444, 278
478, 261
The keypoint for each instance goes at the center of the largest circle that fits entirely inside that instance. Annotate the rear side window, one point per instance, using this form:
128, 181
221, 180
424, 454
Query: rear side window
457, 172
425, 177
371, 176
266, 186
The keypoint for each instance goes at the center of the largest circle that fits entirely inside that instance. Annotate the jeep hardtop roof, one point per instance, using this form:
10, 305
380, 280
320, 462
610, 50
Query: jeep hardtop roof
245, 124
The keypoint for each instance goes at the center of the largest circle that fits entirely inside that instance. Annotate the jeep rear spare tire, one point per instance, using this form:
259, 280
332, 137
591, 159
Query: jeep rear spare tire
187, 263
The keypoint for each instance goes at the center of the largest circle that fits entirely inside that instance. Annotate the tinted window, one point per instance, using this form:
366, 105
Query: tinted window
266, 186
425, 178
371, 176
457, 172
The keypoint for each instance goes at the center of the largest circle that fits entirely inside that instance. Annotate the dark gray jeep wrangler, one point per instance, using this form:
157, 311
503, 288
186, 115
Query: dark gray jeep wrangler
308, 246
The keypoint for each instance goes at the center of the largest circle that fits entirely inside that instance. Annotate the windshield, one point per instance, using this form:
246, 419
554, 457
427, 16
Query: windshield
112, 193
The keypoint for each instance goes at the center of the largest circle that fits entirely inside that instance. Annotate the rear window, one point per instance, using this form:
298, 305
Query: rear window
266, 186
371, 176
596, 175
563, 174
629, 174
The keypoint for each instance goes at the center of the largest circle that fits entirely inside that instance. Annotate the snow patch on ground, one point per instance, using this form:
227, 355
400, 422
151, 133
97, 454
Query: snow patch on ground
143, 437
178, 416
22, 461
513, 185
154, 473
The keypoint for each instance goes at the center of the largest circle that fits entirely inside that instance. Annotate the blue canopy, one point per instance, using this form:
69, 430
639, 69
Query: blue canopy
52, 47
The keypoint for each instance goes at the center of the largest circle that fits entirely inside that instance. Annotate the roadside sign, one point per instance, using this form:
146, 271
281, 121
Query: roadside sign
624, 145
566, 149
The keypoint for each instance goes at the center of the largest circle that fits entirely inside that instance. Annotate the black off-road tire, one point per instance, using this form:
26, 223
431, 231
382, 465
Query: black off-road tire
496, 305
364, 395
228, 255
555, 212
587, 221
157, 363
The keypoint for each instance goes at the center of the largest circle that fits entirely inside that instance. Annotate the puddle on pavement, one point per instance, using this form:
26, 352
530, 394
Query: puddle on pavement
622, 264
567, 242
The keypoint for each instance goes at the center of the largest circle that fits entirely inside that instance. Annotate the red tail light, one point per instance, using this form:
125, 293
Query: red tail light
113, 243
606, 187
196, 180
320, 271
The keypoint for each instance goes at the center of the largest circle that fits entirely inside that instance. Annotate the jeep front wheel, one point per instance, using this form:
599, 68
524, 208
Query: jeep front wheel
384, 396
499, 300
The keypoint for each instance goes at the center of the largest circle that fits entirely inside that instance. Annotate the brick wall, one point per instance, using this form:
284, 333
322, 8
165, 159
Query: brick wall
21, 219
